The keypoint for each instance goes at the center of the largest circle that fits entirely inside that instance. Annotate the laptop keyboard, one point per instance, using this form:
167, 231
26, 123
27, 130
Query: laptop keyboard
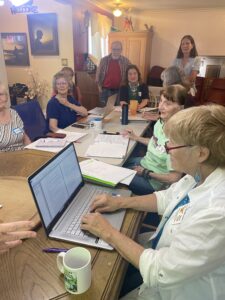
82, 209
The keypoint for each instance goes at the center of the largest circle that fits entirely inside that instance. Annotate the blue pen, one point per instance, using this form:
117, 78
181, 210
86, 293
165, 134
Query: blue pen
54, 250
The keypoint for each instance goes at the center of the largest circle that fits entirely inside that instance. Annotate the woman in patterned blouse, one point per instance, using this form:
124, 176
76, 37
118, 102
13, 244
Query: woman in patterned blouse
12, 134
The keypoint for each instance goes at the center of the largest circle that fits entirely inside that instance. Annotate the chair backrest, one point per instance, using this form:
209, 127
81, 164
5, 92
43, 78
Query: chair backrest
154, 76
199, 82
154, 95
216, 92
35, 124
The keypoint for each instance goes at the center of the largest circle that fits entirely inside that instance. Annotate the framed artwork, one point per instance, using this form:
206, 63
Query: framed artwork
43, 34
15, 49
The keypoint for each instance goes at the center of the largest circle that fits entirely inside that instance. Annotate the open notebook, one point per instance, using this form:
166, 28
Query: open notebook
107, 145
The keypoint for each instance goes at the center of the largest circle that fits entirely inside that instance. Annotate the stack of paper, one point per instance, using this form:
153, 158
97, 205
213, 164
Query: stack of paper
106, 145
104, 173
55, 145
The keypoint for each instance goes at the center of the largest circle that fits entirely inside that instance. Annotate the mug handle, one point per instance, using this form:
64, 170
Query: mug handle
60, 257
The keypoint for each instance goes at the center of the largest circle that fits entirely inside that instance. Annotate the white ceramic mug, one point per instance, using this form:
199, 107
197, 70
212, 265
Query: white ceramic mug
75, 264
96, 123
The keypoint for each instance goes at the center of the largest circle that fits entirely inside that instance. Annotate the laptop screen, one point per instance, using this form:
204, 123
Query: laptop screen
54, 184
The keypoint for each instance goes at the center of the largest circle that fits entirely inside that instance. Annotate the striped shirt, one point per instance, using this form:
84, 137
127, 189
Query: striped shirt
12, 133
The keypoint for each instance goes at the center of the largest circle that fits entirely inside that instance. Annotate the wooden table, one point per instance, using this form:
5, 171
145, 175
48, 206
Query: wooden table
26, 273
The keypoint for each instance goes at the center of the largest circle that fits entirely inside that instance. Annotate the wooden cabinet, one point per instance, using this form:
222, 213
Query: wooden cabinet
136, 47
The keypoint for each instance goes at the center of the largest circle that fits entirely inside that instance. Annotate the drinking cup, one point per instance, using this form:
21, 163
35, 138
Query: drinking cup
133, 107
96, 123
75, 264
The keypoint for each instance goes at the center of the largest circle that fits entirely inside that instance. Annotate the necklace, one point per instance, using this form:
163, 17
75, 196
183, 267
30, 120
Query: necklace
134, 88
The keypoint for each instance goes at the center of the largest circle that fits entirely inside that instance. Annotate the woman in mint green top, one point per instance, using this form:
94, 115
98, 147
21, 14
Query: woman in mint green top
154, 171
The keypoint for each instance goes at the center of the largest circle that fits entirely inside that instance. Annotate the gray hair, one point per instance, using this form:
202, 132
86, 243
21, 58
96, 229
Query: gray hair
174, 75
58, 76
202, 126
118, 43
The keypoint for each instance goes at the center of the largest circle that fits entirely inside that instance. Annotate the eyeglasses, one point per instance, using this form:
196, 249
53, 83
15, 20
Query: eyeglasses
116, 49
168, 149
61, 83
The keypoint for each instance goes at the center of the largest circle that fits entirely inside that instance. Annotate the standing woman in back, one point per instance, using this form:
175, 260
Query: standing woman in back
188, 60
12, 134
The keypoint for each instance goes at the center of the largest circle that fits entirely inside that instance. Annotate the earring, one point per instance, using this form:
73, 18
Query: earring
197, 177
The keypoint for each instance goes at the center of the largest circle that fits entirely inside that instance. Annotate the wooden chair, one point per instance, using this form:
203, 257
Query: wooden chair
216, 92
154, 76
199, 82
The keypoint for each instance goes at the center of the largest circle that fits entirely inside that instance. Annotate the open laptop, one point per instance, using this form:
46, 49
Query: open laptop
62, 198
104, 111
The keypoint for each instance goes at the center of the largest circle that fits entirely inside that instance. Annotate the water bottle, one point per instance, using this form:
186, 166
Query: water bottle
124, 120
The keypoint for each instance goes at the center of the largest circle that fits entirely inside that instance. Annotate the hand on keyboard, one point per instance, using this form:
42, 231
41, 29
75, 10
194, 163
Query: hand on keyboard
104, 203
96, 224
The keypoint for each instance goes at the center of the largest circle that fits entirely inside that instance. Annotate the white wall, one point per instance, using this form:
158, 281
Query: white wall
207, 26
46, 66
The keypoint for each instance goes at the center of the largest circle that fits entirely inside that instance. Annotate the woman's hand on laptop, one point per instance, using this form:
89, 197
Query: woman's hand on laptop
96, 224
104, 203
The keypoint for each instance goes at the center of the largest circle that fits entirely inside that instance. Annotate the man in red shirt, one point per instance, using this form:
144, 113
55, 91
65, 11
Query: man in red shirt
111, 72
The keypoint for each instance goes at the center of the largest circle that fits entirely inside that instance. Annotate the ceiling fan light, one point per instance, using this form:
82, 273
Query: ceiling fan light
19, 2
117, 12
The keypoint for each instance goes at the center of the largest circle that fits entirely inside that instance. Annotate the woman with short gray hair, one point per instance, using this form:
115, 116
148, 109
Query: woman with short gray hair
62, 108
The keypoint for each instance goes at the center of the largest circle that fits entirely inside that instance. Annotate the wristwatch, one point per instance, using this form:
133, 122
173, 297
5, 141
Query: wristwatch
145, 173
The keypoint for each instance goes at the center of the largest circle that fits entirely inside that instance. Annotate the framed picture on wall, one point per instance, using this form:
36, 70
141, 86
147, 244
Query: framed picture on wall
43, 34
15, 49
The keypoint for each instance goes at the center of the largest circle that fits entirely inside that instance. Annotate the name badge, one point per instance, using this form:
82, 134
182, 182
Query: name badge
17, 130
180, 214
160, 148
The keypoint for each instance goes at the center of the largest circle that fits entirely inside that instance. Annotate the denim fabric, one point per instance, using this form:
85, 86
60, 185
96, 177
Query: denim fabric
139, 185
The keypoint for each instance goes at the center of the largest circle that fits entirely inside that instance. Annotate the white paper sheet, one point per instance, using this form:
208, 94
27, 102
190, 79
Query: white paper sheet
108, 146
70, 137
105, 172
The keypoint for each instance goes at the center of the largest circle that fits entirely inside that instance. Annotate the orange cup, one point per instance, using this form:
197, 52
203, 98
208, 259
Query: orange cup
133, 107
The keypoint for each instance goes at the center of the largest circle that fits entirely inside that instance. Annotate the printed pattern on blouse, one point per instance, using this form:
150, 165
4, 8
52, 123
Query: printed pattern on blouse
12, 133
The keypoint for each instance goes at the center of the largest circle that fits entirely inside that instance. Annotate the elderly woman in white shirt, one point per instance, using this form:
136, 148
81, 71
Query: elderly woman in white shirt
185, 258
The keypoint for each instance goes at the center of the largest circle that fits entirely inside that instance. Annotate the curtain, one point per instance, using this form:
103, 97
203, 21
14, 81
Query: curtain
99, 28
